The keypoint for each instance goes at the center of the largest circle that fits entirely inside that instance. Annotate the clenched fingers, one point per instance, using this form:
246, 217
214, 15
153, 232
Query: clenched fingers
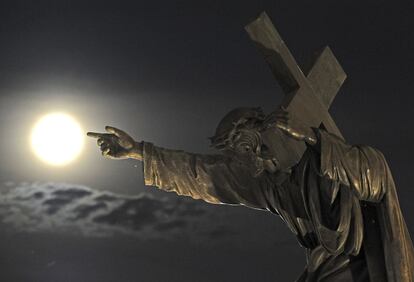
106, 152
104, 145
100, 141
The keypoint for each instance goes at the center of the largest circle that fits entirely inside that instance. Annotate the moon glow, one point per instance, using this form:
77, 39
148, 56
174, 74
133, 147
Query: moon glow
57, 139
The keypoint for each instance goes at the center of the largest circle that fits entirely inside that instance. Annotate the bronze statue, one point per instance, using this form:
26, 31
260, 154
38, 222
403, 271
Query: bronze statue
339, 200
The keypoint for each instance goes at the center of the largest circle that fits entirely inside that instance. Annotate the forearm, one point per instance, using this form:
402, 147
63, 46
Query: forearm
212, 178
180, 172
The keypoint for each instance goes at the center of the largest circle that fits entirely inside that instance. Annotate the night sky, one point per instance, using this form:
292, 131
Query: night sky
166, 72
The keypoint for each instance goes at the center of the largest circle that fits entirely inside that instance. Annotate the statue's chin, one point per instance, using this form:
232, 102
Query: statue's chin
270, 165
262, 165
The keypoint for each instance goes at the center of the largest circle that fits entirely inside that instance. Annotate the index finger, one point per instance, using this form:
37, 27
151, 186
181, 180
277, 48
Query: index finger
95, 134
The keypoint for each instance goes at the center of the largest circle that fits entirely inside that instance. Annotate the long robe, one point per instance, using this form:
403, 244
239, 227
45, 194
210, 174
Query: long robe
340, 201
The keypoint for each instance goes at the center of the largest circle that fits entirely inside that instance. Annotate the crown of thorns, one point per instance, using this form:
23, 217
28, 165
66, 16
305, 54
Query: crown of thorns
227, 138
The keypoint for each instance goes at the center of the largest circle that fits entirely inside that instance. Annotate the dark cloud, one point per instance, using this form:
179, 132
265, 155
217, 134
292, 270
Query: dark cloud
60, 207
83, 211
57, 208
133, 214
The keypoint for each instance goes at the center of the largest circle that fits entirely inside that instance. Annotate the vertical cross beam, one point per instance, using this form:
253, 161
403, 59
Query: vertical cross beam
306, 97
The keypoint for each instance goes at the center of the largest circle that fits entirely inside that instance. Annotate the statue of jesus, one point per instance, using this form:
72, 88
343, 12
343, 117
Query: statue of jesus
339, 201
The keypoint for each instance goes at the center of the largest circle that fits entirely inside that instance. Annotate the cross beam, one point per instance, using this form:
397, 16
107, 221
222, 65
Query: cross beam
307, 98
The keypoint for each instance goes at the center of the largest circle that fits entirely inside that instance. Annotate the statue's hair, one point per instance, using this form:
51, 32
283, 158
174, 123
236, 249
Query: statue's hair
232, 122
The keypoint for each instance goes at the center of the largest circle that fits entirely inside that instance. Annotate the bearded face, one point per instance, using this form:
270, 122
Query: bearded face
239, 136
247, 148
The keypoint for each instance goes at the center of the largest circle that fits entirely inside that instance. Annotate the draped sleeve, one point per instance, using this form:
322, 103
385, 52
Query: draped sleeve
362, 168
213, 178
363, 171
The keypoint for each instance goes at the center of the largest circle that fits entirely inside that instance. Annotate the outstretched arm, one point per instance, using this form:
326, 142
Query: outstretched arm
212, 178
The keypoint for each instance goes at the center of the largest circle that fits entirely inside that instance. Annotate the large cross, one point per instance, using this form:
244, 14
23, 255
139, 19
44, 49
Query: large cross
307, 97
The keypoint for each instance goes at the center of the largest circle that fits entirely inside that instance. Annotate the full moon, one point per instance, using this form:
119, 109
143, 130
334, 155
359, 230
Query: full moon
57, 139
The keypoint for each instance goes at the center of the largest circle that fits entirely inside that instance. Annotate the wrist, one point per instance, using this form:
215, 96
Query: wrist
137, 151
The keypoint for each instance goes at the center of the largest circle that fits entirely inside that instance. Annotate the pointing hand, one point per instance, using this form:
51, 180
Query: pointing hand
117, 144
